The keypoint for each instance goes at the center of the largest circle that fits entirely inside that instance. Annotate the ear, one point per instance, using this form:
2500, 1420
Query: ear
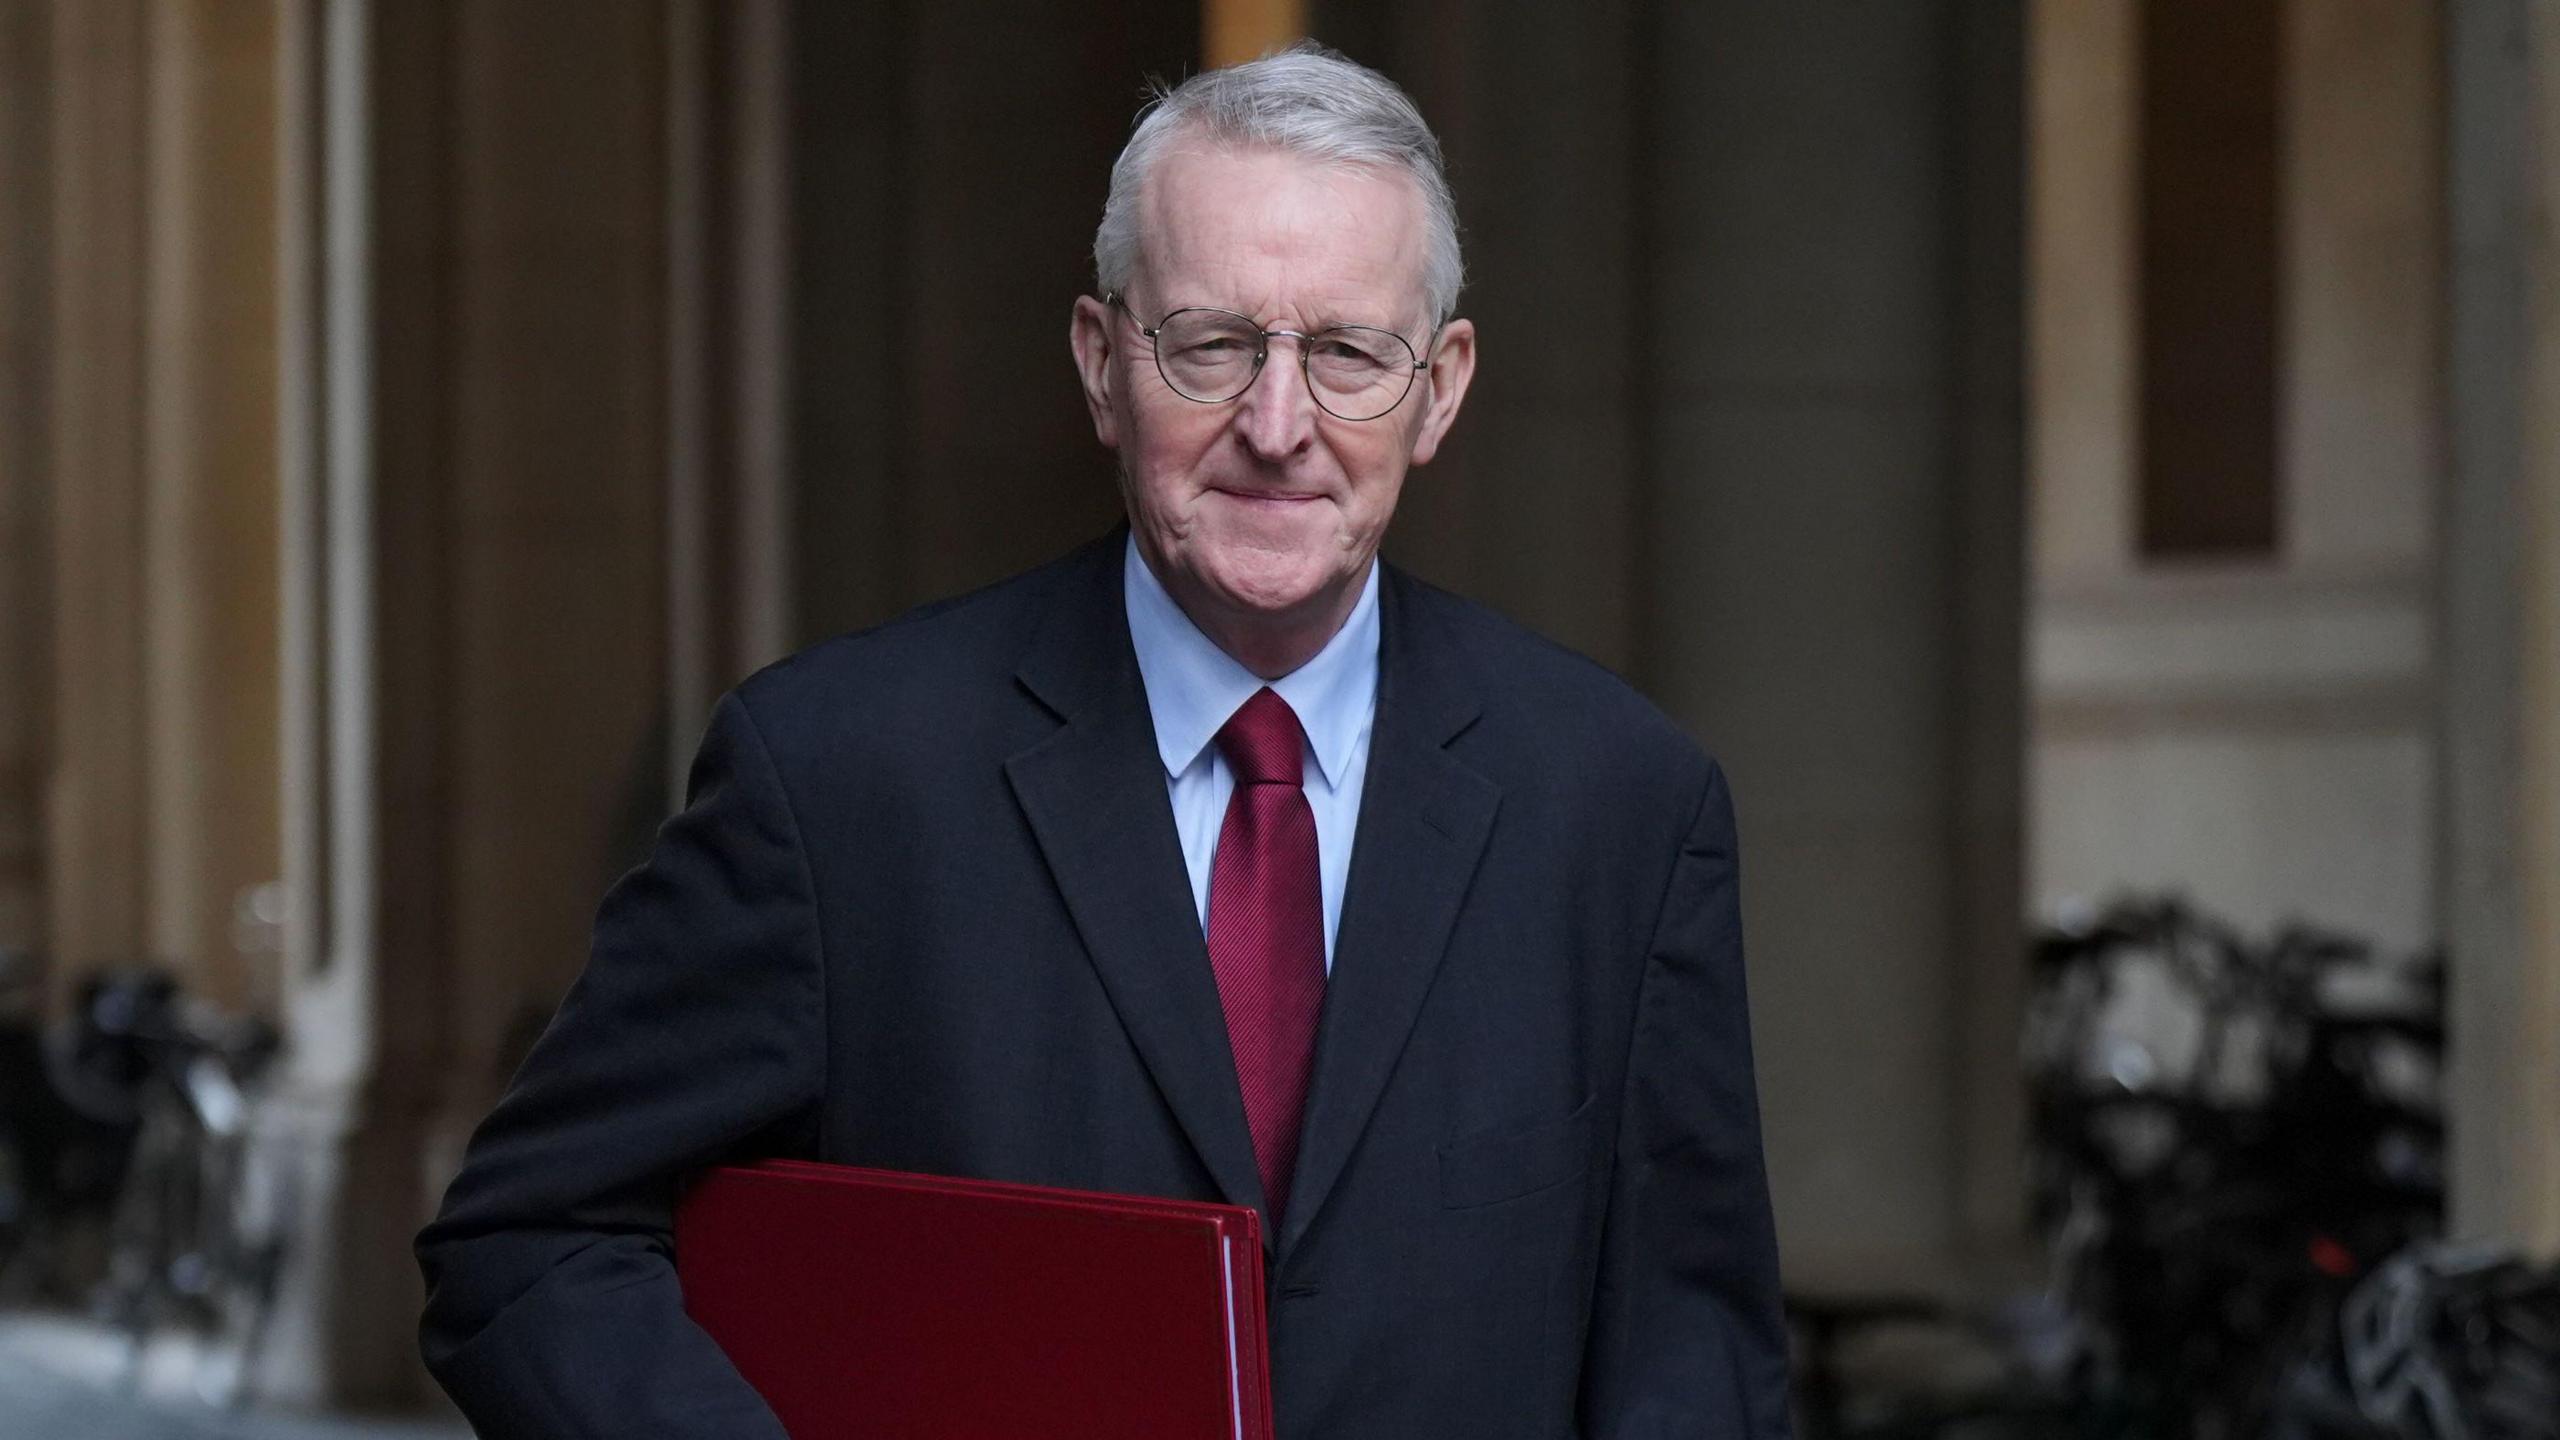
1089, 335
1452, 366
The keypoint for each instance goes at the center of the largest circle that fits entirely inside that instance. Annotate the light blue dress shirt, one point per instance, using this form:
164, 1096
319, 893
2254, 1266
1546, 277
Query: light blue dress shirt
1193, 686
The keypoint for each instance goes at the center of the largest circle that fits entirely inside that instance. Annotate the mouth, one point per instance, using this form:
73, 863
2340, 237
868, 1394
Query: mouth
1276, 498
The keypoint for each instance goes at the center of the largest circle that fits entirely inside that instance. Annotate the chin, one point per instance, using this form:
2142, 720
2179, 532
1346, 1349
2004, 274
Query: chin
1268, 582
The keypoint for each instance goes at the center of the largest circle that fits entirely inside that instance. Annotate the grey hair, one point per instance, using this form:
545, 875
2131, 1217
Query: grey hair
1307, 100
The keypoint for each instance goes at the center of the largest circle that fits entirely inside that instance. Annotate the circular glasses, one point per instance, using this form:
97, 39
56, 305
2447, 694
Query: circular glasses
1355, 372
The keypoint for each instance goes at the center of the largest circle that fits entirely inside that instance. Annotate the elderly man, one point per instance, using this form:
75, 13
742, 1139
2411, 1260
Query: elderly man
1214, 860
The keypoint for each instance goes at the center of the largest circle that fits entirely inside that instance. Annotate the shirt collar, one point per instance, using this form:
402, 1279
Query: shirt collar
1193, 686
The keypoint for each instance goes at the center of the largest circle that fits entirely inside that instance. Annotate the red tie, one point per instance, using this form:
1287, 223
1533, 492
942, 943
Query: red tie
1266, 929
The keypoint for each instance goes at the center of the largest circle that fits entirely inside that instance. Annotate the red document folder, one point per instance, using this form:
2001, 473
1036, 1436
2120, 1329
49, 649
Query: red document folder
865, 1303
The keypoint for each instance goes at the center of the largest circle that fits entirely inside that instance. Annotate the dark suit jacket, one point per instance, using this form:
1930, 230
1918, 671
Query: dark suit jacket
926, 910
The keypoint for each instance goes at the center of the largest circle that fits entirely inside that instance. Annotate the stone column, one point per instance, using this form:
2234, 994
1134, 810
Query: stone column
343, 1126
1835, 559
1540, 501
97, 835
475, 397
942, 224
1987, 834
26, 610
2536, 1081
730, 558
2500, 711
162, 664
552, 501
208, 523
1747, 428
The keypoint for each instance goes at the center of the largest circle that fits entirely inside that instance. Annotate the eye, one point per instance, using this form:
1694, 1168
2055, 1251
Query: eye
1347, 352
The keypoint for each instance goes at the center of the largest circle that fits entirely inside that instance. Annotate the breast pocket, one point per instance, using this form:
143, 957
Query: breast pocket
1486, 1169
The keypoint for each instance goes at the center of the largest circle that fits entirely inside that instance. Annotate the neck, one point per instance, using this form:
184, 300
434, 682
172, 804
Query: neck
1271, 645
1268, 652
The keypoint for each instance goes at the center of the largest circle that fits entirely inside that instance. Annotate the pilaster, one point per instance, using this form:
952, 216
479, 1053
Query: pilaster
26, 590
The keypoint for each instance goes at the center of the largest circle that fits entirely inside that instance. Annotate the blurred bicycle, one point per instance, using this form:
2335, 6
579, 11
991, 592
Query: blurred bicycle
69, 1112
198, 1236
2226, 1135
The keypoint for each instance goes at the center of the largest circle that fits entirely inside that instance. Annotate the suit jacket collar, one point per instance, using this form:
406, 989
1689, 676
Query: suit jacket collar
1094, 794
1425, 816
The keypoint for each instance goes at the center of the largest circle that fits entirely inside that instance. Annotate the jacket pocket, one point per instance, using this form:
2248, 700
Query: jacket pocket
1485, 1169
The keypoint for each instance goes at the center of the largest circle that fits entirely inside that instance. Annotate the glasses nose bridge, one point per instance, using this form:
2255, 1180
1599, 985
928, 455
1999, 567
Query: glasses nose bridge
1305, 339
1262, 362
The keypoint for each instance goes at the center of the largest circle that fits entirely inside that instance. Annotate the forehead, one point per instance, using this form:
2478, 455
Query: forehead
1264, 231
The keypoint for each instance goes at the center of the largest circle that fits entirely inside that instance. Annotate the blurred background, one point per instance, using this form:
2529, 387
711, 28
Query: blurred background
2089, 468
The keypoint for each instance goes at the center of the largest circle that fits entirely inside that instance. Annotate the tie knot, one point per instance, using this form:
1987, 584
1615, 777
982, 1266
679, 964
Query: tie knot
1262, 741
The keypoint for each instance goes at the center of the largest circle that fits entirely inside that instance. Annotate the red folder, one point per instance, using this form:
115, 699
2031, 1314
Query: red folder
869, 1303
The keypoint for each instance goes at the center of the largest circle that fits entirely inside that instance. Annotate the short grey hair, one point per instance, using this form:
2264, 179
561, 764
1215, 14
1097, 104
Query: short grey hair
1306, 100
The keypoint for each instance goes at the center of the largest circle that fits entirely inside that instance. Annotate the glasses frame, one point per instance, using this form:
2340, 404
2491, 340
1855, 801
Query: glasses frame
1262, 355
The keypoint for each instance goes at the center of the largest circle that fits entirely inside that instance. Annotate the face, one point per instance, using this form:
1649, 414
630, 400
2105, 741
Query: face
1264, 511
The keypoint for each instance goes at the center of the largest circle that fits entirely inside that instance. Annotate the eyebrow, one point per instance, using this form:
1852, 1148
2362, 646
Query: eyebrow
1335, 322
1325, 320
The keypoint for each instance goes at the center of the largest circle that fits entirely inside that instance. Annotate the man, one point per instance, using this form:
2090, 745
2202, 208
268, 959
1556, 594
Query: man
1215, 860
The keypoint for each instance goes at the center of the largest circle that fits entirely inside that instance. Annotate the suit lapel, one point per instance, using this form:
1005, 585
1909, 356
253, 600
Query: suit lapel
1094, 793
1424, 820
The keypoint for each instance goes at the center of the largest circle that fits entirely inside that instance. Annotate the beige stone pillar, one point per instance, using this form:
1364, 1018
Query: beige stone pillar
97, 842
162, 672
1746, 428
2500, 705
346, 1124
1834, 558
476, 372
554, 502
208, 521
2536, 1083
1539, 501
26, 610
148, 392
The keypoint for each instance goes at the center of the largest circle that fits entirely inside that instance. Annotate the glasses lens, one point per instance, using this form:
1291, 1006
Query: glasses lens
1208, 354
1359, 373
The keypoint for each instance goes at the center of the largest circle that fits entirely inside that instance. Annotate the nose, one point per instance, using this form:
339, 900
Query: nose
1275, 416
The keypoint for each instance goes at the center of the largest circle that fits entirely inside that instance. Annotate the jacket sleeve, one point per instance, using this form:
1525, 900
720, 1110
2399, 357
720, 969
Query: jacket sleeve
695, 1032
1688, 1336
